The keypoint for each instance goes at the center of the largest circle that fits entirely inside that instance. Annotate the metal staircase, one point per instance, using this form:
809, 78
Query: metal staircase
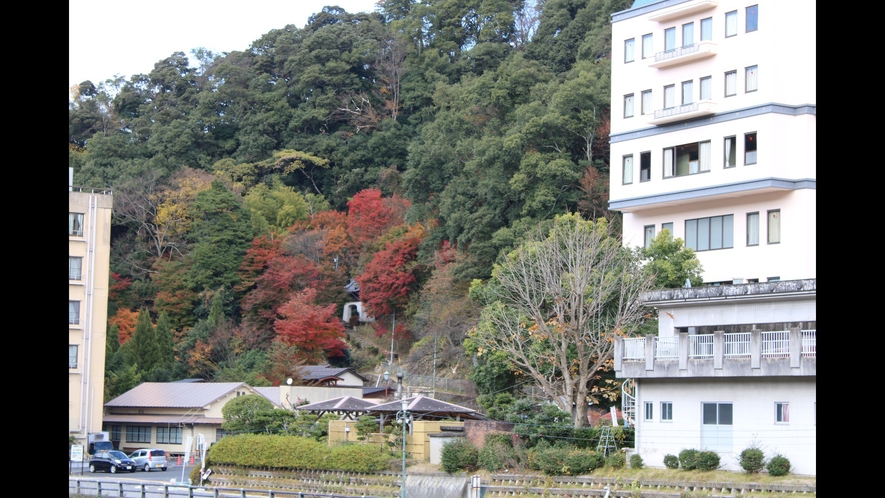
628, 403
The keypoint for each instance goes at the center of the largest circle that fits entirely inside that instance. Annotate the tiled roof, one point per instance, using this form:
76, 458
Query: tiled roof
271, 393
424, 406
174, 394
343, 403
161, 419
319, 372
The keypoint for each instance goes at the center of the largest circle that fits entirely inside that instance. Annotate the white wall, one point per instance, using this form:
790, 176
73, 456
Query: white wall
753, 402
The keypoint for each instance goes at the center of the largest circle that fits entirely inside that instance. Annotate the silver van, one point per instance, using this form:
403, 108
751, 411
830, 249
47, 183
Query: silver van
148, 459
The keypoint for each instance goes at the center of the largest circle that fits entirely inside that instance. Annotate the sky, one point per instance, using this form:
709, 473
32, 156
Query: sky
110, 37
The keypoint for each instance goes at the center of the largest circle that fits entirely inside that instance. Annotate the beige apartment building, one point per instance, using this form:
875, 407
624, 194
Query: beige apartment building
89, 250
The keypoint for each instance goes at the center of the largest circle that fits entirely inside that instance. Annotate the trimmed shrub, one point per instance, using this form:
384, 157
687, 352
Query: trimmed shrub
671, 461
688, 459
708, 460
496, 455
616, 460
636, 461
779, 465
552, 460
752, 460
294, 452
582, 461
459, 455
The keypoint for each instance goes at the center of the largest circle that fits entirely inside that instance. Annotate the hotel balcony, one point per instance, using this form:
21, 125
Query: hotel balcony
683, 10
681, 55
742, 354
682, 112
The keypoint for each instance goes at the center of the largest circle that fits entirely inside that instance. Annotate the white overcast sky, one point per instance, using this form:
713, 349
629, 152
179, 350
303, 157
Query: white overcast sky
109, 37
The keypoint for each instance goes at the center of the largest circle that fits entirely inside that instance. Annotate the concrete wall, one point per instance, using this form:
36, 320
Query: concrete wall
476, 430
753, 402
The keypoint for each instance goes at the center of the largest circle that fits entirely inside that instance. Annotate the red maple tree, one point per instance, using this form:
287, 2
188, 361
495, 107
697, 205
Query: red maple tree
315, 329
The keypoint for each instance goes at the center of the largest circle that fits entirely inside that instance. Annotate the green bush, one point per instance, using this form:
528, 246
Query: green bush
671, 461
708, 460
552, 460
636, 461
293, 452
581, 461
752, 460
688, 459
496, 455
616, 460
779, 465
458, 455
505, 438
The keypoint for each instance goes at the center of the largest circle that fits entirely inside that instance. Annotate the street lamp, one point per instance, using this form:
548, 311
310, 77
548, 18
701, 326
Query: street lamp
402, 417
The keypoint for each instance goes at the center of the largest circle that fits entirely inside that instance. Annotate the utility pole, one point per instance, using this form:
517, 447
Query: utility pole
392, 332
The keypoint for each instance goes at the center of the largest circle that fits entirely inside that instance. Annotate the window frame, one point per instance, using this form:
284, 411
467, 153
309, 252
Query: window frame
747, 72
78, 274
749, 242
672, 89
666, 32
719, 414
629, 50
782, 412
727, 17
751, 15
648, 235
695, 226
624, 169
651, 47
733, 74
646, 109
670, 227
690, 26
666, 411
74, 312
768, 226
690, 85
169, 435
629, 102
708, 82
709, 22
73, 356
75, 224
645, 166
732, 151
649, 411
755, 141
136, 433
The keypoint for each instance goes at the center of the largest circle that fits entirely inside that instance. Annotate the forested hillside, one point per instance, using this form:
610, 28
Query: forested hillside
406, 149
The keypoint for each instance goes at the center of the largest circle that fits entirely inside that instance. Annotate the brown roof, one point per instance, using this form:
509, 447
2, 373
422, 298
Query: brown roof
161, 419
342, 403
429, 408
174, 394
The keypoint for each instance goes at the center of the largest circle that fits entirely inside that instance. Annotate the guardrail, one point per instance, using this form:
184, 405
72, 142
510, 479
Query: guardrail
120, 489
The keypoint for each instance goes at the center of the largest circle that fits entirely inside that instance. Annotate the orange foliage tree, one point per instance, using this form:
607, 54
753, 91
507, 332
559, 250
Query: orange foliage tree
125, 320
314, 329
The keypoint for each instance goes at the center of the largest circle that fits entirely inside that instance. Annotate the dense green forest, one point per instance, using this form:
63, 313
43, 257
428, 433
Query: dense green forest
407, 148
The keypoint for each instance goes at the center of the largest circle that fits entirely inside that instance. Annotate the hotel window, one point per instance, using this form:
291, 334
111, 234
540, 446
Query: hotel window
138, 434
750, 148
782, 413
667, 410
649, 410
774, 226
752, 74
73, 312
707, 88
730, 83
707, 234
707, 29
669, 39
647, 46
72, 355
168, 435
669, 96
752, 229
628, 106
752, 18
628, 50
75, 224
668, 226
644, 166
731, 23
730, 152
649, 236
646, 102
628, 170
687, 92
688, 34
75, 268
687, 159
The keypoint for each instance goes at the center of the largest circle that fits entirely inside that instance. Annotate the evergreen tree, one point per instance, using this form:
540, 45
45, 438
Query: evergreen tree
165, 345
146, 353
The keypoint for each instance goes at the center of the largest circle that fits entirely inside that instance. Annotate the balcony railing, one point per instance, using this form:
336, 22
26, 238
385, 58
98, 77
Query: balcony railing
687, 53
701, 346
634, 348
75, 275
809, 343
73, 318
737, 345
667, 347
676, 52
776, 344
687, 111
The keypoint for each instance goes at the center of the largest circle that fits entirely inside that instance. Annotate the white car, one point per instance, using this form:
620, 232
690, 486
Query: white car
148, 459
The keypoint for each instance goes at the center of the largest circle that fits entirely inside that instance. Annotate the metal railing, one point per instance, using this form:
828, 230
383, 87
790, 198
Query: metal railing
634, 348
700, 346
673, 111
737, 344
776, 344
74, 318
667, 347
83, 487
676, 52
809, 343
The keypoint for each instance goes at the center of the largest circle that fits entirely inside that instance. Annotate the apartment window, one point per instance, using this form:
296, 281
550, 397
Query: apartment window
667, 226
707, 29
687, 159
688, 34
669, 96
774, 226
75, 224
667, 411
138, 434
731, 23
628, 170
752, 18
752, 229
730, 83
750, 148
707, 234
168, 435
669, 39
73, 312
647, 46
628, 106
751, 76
730, 152
649, 235
645, 166
718, 413
707, 88
72, 355
649, 410
782, 413
628, 50
75, 268
646, 102
687, 92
